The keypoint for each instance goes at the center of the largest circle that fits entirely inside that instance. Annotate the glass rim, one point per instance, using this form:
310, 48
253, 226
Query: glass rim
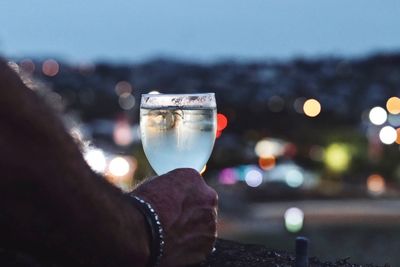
177, 95
196, 100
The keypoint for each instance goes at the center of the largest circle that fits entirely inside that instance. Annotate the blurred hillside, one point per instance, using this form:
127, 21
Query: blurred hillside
261, 100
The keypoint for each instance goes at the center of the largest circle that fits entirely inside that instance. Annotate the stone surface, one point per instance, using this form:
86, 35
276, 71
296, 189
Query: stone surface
232, 254
227, 254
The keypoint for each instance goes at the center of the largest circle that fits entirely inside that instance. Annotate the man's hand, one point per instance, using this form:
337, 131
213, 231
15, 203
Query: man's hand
187, 207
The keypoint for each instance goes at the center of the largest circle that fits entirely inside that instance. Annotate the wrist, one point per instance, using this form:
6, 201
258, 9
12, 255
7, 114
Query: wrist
154, 229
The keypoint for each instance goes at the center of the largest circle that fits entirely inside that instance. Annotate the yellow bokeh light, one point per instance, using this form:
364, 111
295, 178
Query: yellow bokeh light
337, 157
312, 108
119, 166
393, 105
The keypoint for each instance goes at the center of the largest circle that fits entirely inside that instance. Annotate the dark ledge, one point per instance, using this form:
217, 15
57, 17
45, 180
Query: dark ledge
234, 254
227, 254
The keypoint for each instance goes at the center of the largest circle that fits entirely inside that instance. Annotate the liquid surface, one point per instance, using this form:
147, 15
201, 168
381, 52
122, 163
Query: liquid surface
177, 138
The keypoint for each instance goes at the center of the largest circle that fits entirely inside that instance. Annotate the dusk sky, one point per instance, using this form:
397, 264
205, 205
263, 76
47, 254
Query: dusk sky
122, 30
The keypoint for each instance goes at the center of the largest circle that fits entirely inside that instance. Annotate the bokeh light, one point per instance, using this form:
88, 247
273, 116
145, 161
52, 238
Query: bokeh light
312, 107
254, 178
222, 122
123, 134
96, 159
377, 115
228, 176
337, 157
154, 92
50, 67
376, 184
294, 218
119, 166
123, 87
126, 101
388, 135
269, 147
393, 105
394, 120
267, 163
294, 178
398, 136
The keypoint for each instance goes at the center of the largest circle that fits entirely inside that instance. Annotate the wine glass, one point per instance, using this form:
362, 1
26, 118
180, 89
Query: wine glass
178, 130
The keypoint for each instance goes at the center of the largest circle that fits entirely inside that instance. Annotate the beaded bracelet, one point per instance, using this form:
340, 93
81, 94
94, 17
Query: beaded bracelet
154, 228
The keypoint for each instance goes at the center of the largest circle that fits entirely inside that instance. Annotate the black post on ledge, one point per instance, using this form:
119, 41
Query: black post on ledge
301, 252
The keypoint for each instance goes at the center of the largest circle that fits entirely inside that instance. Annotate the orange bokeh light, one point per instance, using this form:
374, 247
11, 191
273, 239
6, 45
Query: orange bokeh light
222, 122
267, 163
50, 67
398, 136
393, 105
376, 184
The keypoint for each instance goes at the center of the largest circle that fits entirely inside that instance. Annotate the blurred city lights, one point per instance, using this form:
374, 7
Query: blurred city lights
337, 157
222, 122
267, 163
96, 159
253, 178
294, 218
393, 105
228, 176
126, 101
294, 178
376, 184
377, 115
119, 166
50, 67
269, 147
312, 107
123, 87
388, 135
122, 134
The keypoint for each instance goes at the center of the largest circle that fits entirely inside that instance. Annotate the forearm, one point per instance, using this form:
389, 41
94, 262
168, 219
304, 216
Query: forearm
76, 216
51, 204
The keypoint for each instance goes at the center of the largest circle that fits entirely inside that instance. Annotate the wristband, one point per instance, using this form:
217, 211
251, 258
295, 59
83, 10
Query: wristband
155, 230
